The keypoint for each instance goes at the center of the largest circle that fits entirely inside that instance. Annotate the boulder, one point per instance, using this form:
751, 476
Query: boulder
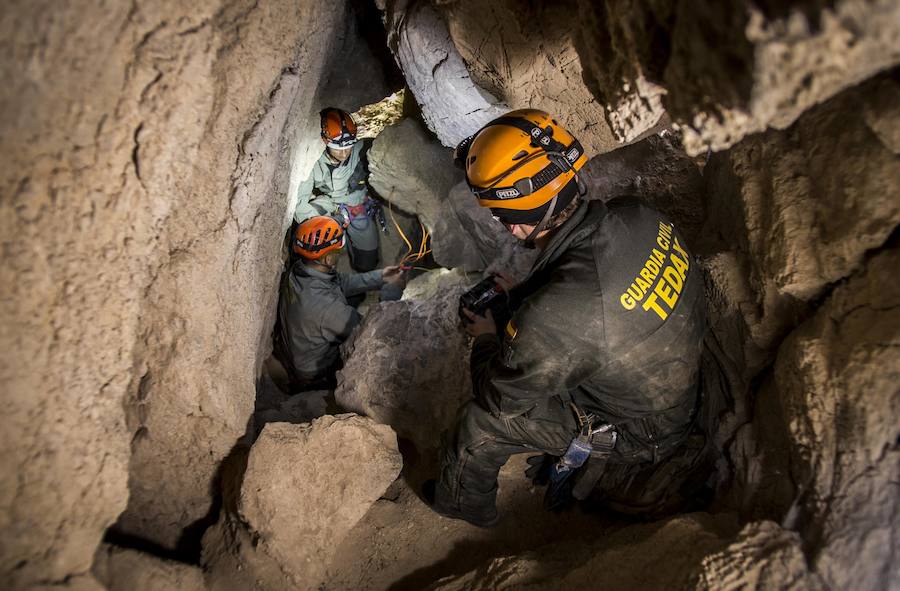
656, 170
304, 488
764, 556
407, 366
129, 570
409, 168
468, 237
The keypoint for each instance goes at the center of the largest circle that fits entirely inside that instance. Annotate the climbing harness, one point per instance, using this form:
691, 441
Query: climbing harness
376, 212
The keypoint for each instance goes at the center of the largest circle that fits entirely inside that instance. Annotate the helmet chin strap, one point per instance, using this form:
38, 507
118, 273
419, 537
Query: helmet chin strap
563, 164
529, 241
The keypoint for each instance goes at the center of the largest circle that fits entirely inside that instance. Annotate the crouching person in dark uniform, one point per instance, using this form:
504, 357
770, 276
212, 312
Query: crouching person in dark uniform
600, 358
314, 317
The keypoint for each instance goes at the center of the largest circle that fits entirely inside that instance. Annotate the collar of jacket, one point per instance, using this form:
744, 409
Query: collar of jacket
302, 270
581, 225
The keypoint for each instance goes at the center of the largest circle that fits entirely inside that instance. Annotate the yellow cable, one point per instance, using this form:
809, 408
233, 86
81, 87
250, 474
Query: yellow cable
423, 247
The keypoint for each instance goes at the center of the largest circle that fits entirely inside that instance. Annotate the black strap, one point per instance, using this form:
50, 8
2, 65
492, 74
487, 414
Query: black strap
318, 247
529, 241
588, 476
540, 137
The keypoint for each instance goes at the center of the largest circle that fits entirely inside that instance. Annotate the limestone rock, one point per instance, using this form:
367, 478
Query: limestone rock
524, 54
656, 170
795, 60
452, 105
763, 556
802, 207
468, 237
433, 283
407, 366
307, 485
152, 138
837, 376
128, 570
412, 170
725, 70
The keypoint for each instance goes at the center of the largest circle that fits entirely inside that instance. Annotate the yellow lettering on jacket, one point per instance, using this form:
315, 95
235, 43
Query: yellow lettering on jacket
660, 282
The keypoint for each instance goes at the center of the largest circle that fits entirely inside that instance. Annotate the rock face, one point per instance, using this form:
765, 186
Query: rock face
837, 376
524, 54
799, 209
452, 105
730, 69
151, 139
656, 170
763, 556
304, 488
798, 212
721, 70
412, 170
407, 366
468, 237
128, 570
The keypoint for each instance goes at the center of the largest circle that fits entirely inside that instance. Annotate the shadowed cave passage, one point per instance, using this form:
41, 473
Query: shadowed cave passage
150, 438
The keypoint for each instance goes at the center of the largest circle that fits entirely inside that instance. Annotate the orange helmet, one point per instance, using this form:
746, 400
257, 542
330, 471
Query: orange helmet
317, 236
338, 128
523, 166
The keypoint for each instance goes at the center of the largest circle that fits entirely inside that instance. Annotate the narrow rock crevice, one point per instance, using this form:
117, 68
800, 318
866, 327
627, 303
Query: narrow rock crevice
152, 159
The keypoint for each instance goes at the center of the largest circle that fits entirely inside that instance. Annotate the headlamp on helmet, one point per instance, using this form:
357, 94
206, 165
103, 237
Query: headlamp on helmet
338, 128
521, 164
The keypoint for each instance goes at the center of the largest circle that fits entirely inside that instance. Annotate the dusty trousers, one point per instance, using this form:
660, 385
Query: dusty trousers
481, 444
362, 235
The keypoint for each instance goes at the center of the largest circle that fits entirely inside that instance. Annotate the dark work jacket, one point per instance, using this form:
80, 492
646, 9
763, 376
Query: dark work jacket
611, 317
315, 317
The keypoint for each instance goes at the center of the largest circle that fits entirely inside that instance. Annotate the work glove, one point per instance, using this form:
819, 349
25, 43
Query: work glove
538, 470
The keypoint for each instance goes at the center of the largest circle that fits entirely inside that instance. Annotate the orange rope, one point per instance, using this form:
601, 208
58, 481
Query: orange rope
423, 250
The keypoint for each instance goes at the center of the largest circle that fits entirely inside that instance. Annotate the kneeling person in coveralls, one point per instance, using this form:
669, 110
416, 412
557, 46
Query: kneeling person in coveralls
314, 317
606, 331
337, 187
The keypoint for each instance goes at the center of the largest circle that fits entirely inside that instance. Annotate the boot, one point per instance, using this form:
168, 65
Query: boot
486, 516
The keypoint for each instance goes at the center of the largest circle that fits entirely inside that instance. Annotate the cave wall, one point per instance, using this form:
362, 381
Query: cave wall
614, 70
792, 212
149, 150
145, 195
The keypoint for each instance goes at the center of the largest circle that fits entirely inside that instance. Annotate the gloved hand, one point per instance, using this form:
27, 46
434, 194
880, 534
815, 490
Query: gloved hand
539, 469
479, 325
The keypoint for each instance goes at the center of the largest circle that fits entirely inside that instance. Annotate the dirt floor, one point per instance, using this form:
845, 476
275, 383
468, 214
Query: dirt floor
402, 544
